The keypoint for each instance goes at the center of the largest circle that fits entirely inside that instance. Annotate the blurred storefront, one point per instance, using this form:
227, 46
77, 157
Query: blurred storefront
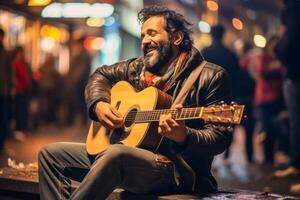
113, 32
38, 39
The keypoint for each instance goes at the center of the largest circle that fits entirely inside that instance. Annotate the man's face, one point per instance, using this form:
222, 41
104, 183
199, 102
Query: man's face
156, 45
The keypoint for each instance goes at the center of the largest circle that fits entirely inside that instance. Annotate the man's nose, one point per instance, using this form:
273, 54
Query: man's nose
145, 41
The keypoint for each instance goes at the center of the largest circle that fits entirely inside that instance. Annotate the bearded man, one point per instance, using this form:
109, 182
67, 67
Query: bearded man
169, 58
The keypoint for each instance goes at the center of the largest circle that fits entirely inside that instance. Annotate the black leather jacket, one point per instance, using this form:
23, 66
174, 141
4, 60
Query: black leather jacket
204, 141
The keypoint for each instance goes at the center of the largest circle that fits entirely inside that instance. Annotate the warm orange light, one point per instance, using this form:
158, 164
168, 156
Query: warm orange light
97, 43
212, 5
237, 24
38, 2
93, 43
51, 32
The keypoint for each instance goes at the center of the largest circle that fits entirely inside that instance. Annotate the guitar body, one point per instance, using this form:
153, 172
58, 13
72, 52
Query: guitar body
128, 101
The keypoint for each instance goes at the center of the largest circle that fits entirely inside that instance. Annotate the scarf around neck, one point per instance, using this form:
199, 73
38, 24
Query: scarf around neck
162, 82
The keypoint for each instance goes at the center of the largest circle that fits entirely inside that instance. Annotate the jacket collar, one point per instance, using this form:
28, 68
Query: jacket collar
193, 59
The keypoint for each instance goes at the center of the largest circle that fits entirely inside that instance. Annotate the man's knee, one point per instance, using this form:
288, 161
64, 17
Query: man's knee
49, 150
117, 152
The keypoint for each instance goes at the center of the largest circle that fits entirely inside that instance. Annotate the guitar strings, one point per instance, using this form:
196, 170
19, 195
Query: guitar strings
154, 114
186, 112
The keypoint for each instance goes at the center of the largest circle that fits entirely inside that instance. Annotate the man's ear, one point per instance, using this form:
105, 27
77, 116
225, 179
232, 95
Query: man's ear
177, 38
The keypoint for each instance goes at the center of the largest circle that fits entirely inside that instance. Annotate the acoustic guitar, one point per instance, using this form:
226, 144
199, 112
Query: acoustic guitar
142, 111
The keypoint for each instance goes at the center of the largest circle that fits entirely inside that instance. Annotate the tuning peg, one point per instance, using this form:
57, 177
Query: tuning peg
233, 103
230, 128
221, 128
221, 102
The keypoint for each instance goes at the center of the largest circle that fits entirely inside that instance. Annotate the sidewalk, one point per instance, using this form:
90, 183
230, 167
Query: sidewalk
233, 174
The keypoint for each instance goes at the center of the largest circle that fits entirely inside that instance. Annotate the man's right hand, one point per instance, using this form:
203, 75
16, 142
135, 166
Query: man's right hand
109, 116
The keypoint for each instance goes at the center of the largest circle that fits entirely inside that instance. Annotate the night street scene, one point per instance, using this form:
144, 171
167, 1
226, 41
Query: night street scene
149, 99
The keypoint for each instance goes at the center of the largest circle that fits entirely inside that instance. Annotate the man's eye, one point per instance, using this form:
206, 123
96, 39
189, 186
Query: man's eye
152, 33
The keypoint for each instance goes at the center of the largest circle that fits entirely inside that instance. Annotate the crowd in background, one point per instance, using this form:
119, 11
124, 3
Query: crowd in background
30, 100
266, 81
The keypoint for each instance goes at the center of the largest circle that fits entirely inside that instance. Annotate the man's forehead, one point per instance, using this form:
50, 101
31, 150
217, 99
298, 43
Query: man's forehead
154, 22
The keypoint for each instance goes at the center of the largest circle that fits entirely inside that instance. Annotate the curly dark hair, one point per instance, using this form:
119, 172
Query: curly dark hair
174, 22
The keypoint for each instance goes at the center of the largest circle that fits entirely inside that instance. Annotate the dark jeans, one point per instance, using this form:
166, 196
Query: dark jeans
267, 114
292, 99
5, 110
136, 170
22, 106
248, 124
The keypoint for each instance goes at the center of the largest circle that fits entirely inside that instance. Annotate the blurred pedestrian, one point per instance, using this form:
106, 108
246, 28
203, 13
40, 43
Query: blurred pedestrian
75, 82
49, 90
6, 88
247, 63
219, 54
23, 89
287, 51
268, 96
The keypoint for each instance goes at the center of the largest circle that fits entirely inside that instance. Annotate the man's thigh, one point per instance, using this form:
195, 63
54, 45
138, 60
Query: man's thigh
71, 158
142, 170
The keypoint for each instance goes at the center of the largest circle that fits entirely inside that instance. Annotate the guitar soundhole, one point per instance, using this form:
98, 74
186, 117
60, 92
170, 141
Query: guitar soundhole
120, 134
130, 118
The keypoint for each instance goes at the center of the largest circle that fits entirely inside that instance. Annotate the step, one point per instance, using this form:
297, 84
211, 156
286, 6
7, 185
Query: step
17, 184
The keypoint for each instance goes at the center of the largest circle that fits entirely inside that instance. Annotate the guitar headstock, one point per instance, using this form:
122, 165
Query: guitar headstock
223, 114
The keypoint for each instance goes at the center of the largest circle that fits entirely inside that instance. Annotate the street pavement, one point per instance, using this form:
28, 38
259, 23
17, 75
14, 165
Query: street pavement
232, 173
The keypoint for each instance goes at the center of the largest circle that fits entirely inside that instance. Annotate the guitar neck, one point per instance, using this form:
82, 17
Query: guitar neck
183, 114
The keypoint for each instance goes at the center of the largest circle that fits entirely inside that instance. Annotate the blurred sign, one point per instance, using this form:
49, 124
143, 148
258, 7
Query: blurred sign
77, 10
129, 21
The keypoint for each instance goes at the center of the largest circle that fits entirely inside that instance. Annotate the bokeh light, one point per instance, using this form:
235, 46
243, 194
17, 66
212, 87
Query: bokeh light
259, 41
212, 5
237, 24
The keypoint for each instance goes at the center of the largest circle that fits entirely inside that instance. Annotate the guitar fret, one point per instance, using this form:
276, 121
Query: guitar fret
189, 114
185, 114
153, 115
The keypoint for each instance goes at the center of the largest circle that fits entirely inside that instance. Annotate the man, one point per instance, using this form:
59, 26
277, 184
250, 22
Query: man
6, 87
219, 54
242, 92
75, 82
168, 60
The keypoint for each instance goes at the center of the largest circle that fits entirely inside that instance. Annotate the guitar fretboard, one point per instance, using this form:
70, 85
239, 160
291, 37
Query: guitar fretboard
153, 115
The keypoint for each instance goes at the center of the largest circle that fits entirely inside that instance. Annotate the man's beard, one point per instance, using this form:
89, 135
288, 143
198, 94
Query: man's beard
159, 56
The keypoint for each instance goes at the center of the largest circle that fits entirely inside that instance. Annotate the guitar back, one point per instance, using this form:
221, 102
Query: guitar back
127, 100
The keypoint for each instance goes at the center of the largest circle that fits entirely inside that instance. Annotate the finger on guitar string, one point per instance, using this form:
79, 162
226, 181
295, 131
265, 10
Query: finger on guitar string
116, 112
178, 106
163, 123
108, 115
160, 131
114, 118
161, 120
116, 122
106, 122
160, 124
172, 122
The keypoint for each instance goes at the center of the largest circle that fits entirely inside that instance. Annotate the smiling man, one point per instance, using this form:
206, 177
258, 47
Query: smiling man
169, 58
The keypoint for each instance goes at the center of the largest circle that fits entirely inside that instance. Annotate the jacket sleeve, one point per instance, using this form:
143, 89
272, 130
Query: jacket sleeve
100, 83
209, 140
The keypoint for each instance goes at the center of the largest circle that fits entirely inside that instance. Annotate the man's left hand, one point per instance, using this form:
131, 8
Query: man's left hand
172, 129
